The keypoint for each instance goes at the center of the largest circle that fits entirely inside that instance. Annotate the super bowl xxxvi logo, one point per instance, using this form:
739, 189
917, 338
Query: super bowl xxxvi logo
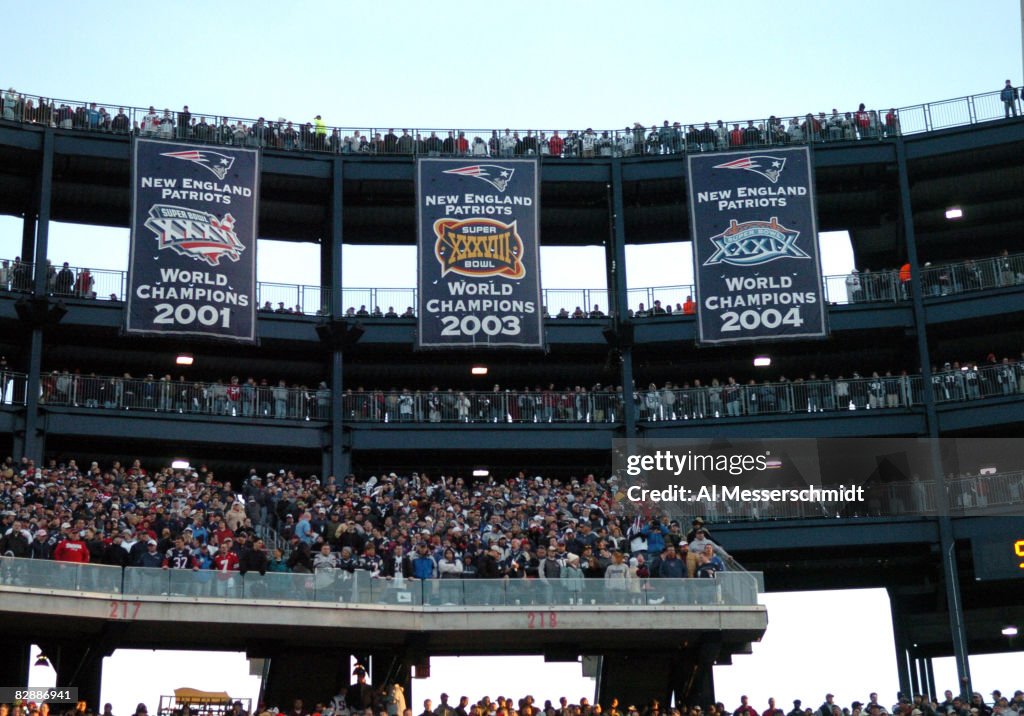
478, 248
753, 243
196, 234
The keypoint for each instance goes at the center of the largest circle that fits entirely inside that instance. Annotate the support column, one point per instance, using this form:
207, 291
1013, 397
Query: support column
14, 658
947, 545
915, 680
81, 665
28, 234
634, 679
294, 675
340, 458
929, 669
694, 677
622, 326
900, 639
32, 442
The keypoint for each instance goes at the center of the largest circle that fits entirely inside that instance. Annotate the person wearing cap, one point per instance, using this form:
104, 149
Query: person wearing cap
796, 711
826, 708
571, 579
72, 548
977, 702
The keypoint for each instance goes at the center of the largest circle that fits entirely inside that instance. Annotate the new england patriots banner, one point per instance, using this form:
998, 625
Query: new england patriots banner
192, 269
479, 254
755, 238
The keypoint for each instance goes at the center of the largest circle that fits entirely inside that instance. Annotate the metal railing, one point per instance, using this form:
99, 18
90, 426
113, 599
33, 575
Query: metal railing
732, 399
501, 407
972, 495
314, 135
973, 275
162, 395
16, 276
670, 403
359, 587
884, 286
12, 387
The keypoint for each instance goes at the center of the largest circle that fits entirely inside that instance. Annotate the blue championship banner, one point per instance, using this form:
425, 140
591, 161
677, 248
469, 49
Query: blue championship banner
479, 254
755, 238
192, 270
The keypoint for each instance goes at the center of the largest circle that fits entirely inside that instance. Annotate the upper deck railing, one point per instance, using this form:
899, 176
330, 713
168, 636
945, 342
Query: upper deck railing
884, 286
314, 135
356, 588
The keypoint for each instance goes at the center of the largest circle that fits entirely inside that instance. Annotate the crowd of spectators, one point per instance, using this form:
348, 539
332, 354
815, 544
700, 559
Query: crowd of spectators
355, 701
362, 699
388, 527
315, 135
694, 399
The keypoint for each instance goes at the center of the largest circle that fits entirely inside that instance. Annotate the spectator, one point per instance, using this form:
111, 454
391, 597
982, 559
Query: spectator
1009, 96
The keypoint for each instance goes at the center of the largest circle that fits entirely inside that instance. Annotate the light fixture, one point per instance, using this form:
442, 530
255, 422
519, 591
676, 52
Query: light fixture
1009, 631
954, 212
481, 472
478, 370
41, 660
180, 464
184, 359
762, 361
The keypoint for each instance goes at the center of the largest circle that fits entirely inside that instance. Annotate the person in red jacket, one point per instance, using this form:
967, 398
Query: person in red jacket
73, 549
556, 145
689, 307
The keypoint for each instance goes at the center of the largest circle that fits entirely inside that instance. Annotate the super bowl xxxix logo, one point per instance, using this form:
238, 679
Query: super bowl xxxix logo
196, 234
755, 242
478, 248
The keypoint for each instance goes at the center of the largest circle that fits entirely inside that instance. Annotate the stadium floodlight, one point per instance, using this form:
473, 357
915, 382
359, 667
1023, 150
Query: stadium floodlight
762, 361
184, 359
180, 463
1009, 631
954, 212
481, 472
478, 370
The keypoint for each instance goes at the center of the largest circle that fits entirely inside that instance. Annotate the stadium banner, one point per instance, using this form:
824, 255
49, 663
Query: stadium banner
192, 269
755, 237
479, 254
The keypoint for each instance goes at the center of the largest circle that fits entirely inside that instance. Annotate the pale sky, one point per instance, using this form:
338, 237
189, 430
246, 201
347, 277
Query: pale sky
524, 64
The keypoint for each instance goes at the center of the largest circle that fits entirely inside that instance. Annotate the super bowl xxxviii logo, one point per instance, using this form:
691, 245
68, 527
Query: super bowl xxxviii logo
196, 234
478, 248
755, 242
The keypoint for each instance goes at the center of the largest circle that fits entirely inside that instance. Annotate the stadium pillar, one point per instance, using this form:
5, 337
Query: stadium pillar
294, 675
337, 460
900, 637
930, 671
947, 545
81, 664
615, 260
634, 679
31, 444
915, 682
14, 658
28, 233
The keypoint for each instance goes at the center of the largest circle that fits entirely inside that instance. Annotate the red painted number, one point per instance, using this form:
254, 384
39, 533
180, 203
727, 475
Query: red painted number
541, 620
124, 610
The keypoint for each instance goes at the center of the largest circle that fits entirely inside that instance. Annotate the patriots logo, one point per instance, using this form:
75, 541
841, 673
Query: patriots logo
753, 243
215, 162
768, 167
496, 176
196, 234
